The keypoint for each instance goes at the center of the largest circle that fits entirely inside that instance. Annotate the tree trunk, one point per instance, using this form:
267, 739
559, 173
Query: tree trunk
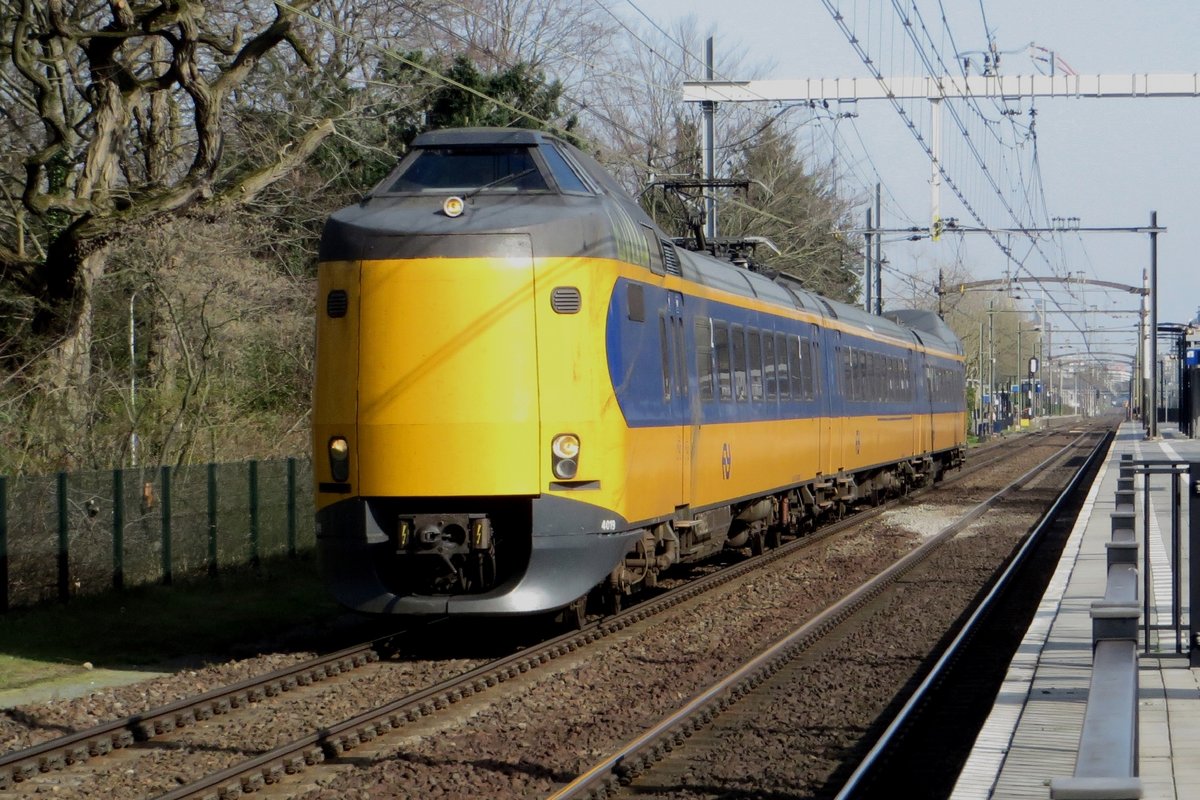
65, 366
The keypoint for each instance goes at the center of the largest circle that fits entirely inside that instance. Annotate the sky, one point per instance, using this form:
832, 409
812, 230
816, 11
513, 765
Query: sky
1107, 162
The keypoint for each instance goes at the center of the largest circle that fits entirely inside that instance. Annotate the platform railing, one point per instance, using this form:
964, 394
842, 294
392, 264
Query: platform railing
1106, 764
1175, 470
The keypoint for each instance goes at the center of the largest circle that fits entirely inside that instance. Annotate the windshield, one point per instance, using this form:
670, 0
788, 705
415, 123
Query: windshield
463, 169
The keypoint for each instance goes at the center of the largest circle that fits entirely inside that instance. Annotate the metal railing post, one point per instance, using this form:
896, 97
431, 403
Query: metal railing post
254, 514
1146, 558
1194, 564
64, 559
1176, 565
118, 529
212, 520
3, 543
165, 472
291, 508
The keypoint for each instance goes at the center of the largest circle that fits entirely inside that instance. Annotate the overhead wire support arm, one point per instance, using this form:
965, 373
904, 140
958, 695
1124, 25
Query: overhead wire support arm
944, 87
715, 183
952, 227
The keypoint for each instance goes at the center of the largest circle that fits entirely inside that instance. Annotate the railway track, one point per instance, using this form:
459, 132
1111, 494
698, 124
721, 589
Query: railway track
661, 760
272, 767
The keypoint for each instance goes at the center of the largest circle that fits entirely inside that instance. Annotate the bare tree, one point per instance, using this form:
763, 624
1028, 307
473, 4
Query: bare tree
565, 38
120, 114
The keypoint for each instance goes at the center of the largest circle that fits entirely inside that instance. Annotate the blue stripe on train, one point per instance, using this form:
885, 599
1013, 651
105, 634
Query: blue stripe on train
635, 364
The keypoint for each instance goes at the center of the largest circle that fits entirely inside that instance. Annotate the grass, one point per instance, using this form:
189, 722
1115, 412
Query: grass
149, 626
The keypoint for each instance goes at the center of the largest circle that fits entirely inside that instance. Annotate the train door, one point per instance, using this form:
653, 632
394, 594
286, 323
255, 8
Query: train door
925, 378
678, 395
931, 381
828, 388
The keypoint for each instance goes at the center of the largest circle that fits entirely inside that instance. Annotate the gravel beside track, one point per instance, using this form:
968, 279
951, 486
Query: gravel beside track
528, 735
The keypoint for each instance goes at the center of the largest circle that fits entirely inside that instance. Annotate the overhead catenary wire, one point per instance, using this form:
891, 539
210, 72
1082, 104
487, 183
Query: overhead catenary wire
860, 41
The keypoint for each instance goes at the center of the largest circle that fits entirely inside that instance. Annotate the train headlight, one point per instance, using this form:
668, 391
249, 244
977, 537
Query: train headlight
565, 445
339, 459
565, 448
453, 207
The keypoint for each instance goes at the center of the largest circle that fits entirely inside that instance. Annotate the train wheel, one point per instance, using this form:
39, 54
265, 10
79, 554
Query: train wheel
774, 538
614, 601
757, 544
574, 616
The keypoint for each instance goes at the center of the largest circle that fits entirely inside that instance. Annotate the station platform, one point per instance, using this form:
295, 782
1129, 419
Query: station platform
1032, 734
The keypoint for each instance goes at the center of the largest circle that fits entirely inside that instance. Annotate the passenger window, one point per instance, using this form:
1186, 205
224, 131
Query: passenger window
798, 389
808, 365
756, 370
704, 348
738, 340
848, 373
781, 369
665, 347
681, 380
769, 364
721, 346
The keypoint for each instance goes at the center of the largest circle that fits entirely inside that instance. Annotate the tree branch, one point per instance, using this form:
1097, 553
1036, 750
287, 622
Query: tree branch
290, 157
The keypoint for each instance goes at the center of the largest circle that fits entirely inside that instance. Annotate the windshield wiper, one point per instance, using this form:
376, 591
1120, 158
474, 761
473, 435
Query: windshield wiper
509, 178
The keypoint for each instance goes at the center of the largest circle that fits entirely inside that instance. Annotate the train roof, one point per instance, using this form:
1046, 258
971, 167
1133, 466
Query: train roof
448, 137
919, 327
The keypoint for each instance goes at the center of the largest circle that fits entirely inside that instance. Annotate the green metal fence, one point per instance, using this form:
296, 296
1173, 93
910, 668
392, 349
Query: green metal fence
82, 533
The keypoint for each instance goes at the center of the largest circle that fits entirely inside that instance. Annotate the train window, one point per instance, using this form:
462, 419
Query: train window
769, 364
781, 369
863, 374
756, 369
463, 169
812, 362
704, 349
799, 391
808, 362
848, 373
564, 176
665, 347
635, 296
738, 339
869, 376
721, 347
681, 381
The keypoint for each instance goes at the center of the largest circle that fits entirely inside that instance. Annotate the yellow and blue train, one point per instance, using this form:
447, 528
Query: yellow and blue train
526, 393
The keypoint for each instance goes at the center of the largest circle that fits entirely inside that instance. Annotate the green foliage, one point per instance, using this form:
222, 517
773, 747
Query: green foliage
798, 209
515, 97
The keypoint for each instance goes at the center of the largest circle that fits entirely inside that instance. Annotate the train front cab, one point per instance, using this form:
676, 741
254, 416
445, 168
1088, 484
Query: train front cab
484, 408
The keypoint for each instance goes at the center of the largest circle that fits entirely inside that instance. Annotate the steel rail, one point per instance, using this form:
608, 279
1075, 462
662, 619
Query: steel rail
638, 754
103, 739
334, 740
893, 732
120, 733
